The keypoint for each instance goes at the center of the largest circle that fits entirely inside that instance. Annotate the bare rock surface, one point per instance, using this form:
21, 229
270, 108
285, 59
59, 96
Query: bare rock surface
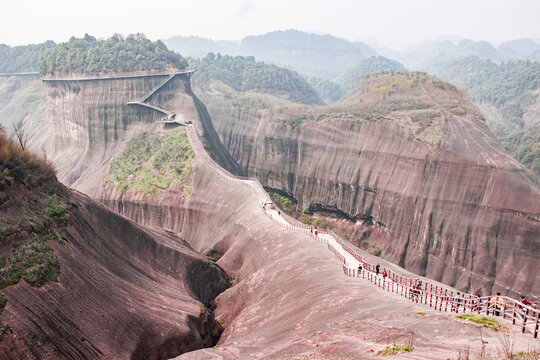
412, 155
291, 300
123, 292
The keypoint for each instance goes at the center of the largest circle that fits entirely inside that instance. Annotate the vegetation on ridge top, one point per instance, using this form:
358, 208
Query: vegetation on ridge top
25, 58
115, 54
245, 74
372, 65
152, 162
33, 209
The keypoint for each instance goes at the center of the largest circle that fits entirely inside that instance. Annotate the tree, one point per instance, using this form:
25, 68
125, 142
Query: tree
20, 133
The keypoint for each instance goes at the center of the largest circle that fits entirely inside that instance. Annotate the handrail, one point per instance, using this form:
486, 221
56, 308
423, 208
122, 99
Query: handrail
437, 297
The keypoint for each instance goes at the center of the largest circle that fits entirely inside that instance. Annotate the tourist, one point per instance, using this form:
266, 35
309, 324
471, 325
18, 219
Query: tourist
497, 303
316, 231
359, 268
384, 275
457, 301
377, 268
522, 310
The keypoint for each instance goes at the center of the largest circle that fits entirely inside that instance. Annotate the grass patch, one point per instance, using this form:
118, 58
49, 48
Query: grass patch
9, 275
39, 263
221, 321
421, 313
152, 162
484, 320
395, 349
283, 201
372, 249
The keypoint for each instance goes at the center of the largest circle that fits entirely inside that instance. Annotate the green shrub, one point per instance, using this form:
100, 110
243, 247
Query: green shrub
39, 262
4, 329
395, 349
484, 320
56, 208
283, 201
3, 302
9, 275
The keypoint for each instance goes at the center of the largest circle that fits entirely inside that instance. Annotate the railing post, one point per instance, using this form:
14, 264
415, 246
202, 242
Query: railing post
536, 325
513, 313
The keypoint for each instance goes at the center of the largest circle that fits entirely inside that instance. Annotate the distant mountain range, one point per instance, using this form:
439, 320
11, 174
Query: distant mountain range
322, 56
328, 57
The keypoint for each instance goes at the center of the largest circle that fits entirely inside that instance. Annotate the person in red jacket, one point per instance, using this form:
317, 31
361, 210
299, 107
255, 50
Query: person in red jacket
522, 310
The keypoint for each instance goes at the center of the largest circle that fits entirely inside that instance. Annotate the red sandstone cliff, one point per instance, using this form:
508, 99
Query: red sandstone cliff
412, 154
122, 291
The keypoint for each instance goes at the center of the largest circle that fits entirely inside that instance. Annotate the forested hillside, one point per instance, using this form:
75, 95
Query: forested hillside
116, 54
372, 65
509, 96
19, 59
245, 74
328, 90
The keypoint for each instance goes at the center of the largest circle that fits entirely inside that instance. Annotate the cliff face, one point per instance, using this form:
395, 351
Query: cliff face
91, 119
413, 157
79, 281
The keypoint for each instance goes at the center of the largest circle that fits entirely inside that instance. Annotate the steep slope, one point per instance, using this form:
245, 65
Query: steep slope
410, 158
508, 96
94, 284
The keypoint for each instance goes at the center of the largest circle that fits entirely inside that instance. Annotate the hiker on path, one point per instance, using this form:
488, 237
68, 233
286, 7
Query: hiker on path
384, 275
377, 268
316, 231
359, 268
497, 304
522, 310
457, 301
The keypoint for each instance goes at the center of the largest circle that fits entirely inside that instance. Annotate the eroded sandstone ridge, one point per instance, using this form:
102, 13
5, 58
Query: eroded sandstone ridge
410, 157
79, 281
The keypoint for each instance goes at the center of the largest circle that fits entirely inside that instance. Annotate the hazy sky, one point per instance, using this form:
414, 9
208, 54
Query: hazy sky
392, 22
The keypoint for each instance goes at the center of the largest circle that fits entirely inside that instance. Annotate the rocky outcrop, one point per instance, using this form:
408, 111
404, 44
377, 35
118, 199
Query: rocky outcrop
89, 121
122, 292
412, 155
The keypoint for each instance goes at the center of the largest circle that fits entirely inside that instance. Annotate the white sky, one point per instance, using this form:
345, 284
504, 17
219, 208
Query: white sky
396, 23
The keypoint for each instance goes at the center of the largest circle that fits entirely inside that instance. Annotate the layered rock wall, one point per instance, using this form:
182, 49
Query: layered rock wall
462, 212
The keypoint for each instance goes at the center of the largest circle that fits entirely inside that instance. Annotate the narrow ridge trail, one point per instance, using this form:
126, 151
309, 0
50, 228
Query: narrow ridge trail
435, 296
